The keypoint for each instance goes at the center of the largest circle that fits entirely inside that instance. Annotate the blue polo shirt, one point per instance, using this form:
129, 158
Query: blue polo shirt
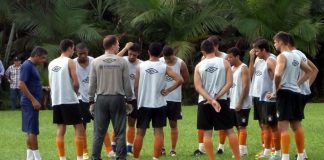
30, 75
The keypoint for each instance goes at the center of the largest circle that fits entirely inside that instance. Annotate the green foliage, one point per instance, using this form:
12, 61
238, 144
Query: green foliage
255, 19
178, 23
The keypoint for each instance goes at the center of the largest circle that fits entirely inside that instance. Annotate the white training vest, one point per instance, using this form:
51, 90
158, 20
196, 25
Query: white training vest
132, 73
236, 89
267, 84
257, 78
62, 91
222, 55
213, 76
151, 82
290, 75
175, 95
304, 87
83, 77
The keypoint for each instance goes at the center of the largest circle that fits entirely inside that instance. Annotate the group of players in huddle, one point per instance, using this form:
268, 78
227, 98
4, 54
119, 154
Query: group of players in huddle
109, 86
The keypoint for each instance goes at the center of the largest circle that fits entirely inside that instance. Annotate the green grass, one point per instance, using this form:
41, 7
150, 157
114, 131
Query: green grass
12, 139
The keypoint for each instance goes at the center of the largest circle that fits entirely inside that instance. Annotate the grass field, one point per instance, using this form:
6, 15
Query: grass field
12, 140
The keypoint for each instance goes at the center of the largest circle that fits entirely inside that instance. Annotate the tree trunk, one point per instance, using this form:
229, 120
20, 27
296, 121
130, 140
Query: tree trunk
8, 49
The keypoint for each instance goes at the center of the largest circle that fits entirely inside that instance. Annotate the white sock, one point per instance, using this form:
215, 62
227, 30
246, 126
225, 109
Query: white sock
221, 146
300, 156
129, 144
201, 147
79, 157
37, 155
30, 155
155, 158
305, 155
266, 152
62, 158
278, 153
243, 149
285, 157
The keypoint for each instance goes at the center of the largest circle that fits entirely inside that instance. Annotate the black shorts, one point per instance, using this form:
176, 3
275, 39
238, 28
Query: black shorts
173, 110
133, 114
257, 104
208, 118
241, 117
85, 113
68, 114
288, 106
156, 115
269, 113
304, 99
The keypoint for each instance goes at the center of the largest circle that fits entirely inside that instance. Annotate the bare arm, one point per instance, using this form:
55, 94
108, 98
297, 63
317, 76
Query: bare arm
184, 73
252, 62
307, 70
73, 75
177, 78
23, 88
125, 49
229, 80
136, 82
245, 87
280, 67
314, 73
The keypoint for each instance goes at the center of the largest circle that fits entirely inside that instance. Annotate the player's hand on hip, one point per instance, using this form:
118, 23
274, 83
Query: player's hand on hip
165, 92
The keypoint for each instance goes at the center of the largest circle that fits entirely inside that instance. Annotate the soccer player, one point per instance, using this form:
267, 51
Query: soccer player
173, 107
305, 87
212, 80
268, 116
31, 88
287, 82
109, 81
240, 100
255, 66
133, 50
64, 86
83, 64
150, 90
221, 133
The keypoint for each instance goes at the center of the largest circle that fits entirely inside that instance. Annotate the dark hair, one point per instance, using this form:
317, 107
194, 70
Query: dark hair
109, 41
285, 37
81, 46
135, 47
261, 44
155, 49
207, 46
38, 51
65, 44
167, 51
236, 52
214, 39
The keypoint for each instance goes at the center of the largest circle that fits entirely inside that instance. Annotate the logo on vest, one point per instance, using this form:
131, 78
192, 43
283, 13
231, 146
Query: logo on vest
56, 68
258, 73
109, 60
86, 80
168, 78
132, 76
151, 71
295, 63
234, 85
211, 69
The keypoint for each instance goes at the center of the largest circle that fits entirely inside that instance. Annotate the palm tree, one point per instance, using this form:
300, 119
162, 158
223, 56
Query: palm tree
47, 23
254, 18
178, 23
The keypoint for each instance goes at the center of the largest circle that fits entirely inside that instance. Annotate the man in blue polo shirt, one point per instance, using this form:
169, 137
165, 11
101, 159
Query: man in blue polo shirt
31, 88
